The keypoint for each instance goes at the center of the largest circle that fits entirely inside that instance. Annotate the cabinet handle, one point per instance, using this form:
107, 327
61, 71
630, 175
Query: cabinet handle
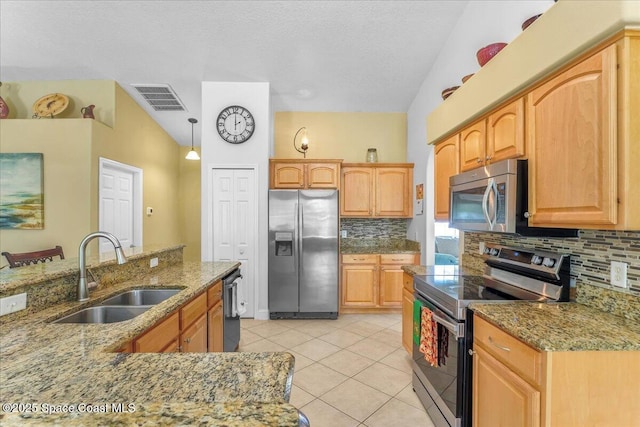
471, 352
187, 340
498, 345
397, 259
488, 157
478, 160
528, 215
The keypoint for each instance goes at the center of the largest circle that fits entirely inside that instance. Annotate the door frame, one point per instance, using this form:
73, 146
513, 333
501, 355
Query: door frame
137, 195
207, 243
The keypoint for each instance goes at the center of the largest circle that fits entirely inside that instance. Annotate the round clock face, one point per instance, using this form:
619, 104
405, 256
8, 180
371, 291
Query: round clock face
50, 105
235, 124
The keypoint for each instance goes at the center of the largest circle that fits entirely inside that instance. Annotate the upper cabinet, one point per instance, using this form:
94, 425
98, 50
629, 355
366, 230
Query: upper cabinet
497, 137
304, 174
446, 165
379, 190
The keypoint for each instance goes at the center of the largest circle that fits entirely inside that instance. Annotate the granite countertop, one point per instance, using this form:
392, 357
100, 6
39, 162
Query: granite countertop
562, 326
75, 363
378, 246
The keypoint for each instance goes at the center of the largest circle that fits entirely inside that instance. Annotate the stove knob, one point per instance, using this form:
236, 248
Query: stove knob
487, 250
549, 262
494, 251
536, 259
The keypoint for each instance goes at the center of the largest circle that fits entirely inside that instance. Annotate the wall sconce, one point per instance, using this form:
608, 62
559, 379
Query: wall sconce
193, 154
304, 142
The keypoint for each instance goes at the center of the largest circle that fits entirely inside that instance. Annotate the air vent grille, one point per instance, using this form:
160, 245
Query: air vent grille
161, 97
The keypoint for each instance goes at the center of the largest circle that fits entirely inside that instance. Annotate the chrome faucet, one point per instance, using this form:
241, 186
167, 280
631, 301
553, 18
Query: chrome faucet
83, 289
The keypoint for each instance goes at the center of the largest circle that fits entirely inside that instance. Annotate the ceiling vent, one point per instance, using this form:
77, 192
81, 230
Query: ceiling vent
161, 97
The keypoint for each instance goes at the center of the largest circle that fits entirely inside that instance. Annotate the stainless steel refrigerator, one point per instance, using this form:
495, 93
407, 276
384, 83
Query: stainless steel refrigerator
303, 254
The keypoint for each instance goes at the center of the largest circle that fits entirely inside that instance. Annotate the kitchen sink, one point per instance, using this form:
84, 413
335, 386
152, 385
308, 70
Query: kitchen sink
104, 314
138, 297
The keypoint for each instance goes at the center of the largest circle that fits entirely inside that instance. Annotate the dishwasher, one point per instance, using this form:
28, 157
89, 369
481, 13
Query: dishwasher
232, 306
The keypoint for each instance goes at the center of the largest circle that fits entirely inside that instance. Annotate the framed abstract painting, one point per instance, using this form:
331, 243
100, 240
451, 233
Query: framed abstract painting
21, 191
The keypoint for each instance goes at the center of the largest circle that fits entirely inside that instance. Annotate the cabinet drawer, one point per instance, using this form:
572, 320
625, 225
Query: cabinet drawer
193, 309
359, 259
214, 293
402, 259
159, 337
518, 356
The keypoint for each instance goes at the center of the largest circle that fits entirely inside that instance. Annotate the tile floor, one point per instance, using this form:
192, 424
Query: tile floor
352, 371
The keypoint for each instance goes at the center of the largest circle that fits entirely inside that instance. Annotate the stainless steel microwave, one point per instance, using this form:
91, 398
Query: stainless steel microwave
494, 198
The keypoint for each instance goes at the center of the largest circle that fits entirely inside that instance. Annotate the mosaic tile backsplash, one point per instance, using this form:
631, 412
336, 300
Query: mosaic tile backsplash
374, 228
591, 253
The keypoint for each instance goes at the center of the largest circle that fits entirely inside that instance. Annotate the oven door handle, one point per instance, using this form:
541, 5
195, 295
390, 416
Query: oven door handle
455, 329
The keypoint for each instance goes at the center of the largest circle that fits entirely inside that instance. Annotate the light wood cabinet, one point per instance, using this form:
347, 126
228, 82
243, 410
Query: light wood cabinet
378, 190
497, 137
407, 312
515, 384
373, 281
215, 340
446, 165
161, 338
304, 174
194, 337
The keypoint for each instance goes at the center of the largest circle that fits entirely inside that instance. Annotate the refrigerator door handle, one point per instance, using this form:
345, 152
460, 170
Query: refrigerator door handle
300, 228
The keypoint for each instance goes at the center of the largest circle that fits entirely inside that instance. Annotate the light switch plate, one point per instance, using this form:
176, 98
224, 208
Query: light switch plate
13, 303
619, 274
481, 248
153, 262
343, 234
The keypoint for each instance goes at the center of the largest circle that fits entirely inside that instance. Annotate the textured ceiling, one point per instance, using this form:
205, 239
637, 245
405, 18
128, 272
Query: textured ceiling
318, 55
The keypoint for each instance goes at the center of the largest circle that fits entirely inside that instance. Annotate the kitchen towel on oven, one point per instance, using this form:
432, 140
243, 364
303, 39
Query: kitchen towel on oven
417, 309
428, 337
443, 345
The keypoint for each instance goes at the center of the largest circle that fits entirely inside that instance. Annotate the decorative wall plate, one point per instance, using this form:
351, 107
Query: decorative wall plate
50, 105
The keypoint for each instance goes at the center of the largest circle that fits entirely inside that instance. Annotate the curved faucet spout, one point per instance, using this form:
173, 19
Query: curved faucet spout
83, 289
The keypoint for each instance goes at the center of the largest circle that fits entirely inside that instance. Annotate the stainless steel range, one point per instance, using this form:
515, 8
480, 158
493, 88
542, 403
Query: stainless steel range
509, 274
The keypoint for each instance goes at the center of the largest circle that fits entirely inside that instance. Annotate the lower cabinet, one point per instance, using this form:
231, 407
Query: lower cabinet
373, 282
517, 385
196, 327
407, 312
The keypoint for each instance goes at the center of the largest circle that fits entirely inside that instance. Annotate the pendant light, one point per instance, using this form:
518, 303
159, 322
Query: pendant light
193, 154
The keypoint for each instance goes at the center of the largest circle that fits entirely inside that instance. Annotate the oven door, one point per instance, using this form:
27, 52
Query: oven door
441, 389
486, 204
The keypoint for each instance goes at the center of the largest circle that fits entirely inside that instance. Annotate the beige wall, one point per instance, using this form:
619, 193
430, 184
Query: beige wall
343, 135
189, 201
72, 148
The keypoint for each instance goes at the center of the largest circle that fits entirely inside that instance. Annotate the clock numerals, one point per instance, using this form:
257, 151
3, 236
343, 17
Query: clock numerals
235, 124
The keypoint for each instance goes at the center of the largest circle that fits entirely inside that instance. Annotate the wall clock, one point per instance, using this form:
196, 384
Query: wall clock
235, 124
50, 105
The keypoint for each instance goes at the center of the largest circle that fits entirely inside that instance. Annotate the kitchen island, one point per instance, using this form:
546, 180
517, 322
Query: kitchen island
45, 366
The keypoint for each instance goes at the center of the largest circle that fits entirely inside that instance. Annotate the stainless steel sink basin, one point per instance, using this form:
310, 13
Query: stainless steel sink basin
137, 297
104, 314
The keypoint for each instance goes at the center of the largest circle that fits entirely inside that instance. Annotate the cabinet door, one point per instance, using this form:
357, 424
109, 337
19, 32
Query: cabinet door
287, 175
160, 337
505, 133
194, 338
571, 130
359, 285
215, 331
500, 397
472, 146
407, 320
446, 165
391, 285
356, 196
323, 175
393, 188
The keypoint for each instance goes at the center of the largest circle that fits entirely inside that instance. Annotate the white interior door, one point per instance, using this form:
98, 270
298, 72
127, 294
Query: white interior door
234, 226
120, 204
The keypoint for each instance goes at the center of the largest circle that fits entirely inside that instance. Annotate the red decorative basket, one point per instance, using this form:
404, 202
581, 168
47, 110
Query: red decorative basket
529, 21
448, 91
488, 52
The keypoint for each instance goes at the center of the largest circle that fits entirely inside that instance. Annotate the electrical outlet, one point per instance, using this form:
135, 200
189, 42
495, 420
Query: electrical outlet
481, 248
13, 303
343, 234
619, 274
153, 262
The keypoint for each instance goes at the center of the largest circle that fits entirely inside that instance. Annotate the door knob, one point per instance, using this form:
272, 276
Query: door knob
241, 251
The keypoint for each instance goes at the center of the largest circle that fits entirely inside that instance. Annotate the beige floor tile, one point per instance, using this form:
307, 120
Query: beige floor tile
347, 362
316, 349
260, 346
363, 328
372, 349
317, 329
290, 338
301, 361
384, 320
317, 379
399, 360
299, 397
384, 378
346, 319
389, 337
355, 399
341, 338
248, 337
407, 395
269, 329
322, 415
396, 327
251, 323
398, 414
